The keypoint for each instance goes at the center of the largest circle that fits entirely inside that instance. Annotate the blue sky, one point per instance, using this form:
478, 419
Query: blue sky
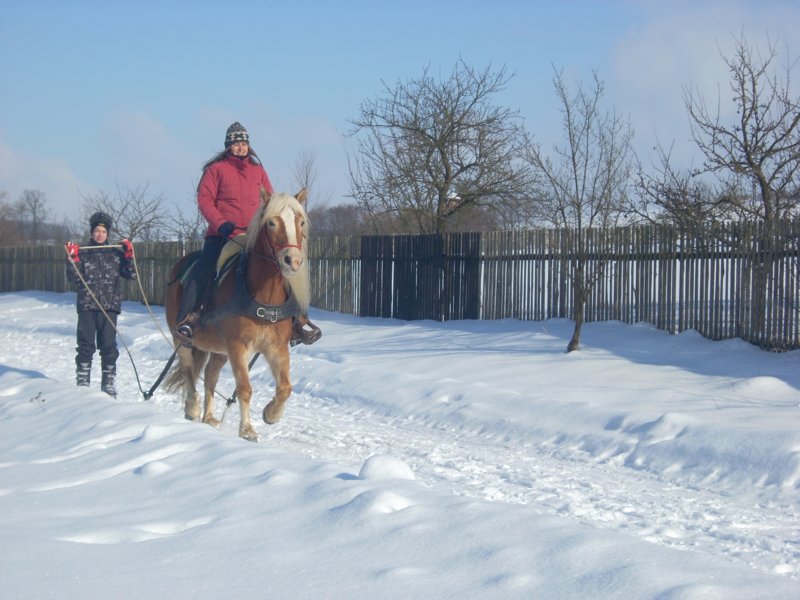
99, 95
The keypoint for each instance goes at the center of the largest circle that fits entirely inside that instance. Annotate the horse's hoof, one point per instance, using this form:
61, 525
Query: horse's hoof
214, 422
270, 419
249, 435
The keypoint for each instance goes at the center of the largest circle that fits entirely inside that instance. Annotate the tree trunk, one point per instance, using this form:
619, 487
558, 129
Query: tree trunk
575, 342
577, 312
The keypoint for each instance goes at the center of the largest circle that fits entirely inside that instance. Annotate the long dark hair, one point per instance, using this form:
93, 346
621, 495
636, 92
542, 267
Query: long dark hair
251, 154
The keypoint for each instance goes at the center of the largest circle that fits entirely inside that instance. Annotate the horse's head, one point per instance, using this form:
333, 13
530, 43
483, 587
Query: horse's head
280, 229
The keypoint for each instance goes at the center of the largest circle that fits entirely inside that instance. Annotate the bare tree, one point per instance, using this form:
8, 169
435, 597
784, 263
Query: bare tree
191, 227
34, 212
426, 149
10, 231
750, 161
305, 170
137, 214
305, 176
758, 153
583, 184
341, 219
756, 156
26, 221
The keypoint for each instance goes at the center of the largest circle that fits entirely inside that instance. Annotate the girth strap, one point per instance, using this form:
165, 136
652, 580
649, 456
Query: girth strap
243, 304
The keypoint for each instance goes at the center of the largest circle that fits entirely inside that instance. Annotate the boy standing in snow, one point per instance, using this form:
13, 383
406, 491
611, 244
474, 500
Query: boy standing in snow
101, 269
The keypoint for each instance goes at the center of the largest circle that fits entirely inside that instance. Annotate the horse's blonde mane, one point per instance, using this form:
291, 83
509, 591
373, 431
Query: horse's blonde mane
300, 284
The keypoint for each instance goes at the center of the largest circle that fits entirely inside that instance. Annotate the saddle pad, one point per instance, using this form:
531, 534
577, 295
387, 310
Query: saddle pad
232, 247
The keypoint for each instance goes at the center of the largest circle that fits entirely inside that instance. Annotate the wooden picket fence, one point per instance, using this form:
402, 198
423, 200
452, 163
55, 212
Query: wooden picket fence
44, 268
725, 281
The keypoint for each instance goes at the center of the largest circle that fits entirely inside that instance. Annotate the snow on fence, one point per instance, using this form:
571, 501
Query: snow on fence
733, 280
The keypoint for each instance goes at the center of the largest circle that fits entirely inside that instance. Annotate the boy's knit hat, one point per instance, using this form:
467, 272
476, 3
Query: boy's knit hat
100, 218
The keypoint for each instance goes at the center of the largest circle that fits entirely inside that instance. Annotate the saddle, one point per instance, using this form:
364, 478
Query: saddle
229, 252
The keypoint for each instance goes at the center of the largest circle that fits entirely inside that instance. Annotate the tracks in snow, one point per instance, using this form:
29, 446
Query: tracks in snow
605, 495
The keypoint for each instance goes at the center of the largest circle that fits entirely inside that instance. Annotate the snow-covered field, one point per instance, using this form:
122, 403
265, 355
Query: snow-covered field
415, 460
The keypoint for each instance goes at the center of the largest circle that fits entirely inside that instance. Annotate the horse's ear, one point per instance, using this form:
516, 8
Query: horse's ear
265, 196
302, 196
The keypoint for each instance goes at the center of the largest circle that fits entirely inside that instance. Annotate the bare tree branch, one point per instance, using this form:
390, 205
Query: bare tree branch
676, 197
191, 227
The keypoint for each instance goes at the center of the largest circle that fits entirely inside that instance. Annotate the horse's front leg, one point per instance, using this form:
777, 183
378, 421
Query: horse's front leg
210, 378
191, 404
244, 391
279, 364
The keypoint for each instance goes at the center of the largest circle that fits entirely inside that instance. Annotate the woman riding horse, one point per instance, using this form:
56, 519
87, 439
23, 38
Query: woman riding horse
228, 197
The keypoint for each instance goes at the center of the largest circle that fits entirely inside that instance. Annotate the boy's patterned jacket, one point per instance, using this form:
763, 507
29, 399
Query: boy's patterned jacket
101, 268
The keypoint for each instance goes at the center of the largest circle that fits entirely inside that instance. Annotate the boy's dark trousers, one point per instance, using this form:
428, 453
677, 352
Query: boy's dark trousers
95, 332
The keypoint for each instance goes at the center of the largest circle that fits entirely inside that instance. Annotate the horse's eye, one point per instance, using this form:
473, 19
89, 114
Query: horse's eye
271, 223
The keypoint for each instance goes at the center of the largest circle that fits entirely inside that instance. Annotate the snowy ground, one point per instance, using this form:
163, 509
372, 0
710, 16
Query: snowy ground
415, 460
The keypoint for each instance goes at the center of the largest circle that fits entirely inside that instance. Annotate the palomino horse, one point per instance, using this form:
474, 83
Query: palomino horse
250, 311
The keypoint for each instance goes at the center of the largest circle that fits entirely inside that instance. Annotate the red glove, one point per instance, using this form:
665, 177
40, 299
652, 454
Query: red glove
127, 249
72, 250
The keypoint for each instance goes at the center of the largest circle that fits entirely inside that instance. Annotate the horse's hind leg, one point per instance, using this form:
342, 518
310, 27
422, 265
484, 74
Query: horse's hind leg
210, 378
279, 364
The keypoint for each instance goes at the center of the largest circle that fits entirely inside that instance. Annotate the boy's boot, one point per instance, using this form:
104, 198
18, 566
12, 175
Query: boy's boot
83, 373
107, 384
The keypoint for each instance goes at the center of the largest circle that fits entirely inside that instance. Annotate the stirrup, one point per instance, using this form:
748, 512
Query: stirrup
300, 335
185, 330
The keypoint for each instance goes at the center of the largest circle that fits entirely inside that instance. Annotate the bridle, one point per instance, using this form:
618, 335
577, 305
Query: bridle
275, 249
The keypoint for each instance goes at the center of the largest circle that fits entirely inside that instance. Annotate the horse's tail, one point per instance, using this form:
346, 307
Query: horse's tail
176, 378
174, 381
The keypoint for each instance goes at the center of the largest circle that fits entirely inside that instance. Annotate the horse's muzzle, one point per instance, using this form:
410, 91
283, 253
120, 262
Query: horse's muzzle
291, 262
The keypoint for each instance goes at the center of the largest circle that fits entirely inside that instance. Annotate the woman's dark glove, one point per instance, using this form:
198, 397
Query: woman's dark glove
226, 229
